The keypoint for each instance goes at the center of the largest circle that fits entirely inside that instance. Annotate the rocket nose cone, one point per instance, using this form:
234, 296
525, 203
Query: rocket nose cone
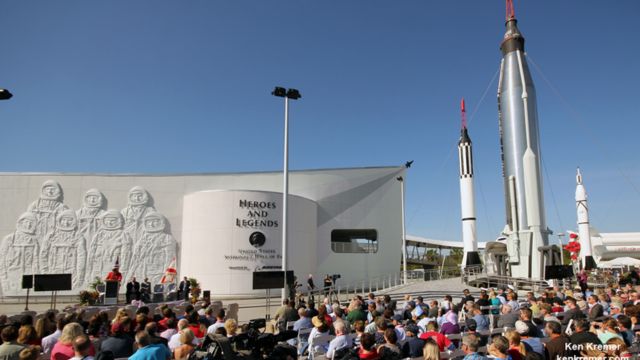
513, 39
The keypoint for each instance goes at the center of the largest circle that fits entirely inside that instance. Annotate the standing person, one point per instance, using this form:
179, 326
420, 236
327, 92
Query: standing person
114, 274
133, 290
310, 286
582, 280
187, 289
145, 290
327, 284
183, 284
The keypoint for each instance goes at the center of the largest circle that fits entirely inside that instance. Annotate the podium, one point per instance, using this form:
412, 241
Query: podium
111, 292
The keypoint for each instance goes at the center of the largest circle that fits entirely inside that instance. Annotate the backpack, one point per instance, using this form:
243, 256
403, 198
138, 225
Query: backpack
213, 347
346, 354
105, 355
388, 354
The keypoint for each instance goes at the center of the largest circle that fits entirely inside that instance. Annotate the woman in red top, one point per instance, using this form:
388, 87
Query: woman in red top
517, 351
63, 349
368, 350
199, 331
115, 275
322, 313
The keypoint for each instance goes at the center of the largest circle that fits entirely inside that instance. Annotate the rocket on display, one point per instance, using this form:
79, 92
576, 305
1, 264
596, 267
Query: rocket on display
471, 256
526, 230
584, 233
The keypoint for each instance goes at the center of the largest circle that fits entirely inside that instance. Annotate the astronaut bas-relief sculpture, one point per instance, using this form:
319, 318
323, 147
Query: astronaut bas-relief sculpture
51, 238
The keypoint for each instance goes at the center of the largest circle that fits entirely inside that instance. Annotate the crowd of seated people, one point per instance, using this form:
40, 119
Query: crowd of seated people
554, 324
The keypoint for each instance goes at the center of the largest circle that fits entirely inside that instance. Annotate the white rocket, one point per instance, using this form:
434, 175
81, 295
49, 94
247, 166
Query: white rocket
584, 232
467, 198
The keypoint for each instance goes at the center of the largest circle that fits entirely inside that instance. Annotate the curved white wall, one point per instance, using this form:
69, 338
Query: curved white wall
216, 231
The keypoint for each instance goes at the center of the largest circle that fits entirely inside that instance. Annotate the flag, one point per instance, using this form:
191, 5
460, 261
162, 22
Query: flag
170, 273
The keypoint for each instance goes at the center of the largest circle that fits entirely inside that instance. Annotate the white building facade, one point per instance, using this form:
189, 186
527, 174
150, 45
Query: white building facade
220, 227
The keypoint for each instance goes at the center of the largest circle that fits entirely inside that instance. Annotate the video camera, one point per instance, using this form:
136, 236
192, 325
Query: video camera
335, 277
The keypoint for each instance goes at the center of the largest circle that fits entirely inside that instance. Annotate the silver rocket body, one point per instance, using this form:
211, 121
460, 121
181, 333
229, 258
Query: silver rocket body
519, 134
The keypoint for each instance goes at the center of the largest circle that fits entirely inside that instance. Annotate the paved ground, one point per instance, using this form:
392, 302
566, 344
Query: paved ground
256, 308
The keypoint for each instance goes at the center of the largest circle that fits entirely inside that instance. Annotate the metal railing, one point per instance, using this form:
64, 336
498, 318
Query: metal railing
479, 274
345, 291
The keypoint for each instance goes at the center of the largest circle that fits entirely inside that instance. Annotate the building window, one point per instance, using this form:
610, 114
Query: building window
354, 241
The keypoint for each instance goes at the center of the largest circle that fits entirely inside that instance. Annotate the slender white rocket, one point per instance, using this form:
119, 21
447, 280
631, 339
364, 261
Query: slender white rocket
584, 233
467, 198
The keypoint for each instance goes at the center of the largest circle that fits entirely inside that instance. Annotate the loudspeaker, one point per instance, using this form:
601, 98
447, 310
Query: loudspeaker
52, 282
558, 272
206, 295
589, 263
27, 281
271, 279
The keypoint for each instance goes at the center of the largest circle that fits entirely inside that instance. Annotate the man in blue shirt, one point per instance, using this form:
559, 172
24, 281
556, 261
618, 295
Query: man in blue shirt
481, 321
340, 341
148, 351
470, 345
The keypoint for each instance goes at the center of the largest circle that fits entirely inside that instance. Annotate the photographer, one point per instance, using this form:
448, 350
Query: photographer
328, 283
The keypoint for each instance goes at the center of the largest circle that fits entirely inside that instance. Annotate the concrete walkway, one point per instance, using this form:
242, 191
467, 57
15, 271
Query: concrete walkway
256, 308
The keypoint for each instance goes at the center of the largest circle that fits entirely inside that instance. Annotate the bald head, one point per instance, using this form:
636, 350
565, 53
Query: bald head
183, 324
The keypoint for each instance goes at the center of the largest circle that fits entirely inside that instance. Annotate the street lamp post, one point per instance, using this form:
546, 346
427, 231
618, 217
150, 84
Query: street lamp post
294, 95
404, 235
560, 236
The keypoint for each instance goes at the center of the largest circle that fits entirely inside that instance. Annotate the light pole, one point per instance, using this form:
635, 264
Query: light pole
294, 95
404, 237
560, 236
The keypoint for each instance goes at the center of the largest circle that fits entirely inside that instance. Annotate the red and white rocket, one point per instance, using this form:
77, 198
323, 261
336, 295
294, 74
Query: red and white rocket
467, 198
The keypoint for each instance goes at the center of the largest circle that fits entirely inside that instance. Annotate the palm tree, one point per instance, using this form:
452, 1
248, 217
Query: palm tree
432, 255
457, 253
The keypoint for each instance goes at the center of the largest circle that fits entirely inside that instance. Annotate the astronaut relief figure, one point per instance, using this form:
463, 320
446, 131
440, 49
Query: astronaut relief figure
154, 250
63, 250
110, 243
137, 208
19, 254
89, 214
47, 207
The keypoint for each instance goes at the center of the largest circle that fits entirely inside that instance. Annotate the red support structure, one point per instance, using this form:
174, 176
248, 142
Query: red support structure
511, 14
464, 114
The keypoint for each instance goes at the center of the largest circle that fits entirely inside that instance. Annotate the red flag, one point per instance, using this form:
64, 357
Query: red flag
170, 273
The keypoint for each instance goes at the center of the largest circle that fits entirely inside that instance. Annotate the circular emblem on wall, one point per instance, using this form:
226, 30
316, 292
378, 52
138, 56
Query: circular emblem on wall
257, 239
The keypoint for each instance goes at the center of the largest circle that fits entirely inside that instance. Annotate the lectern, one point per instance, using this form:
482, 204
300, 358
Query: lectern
111, 292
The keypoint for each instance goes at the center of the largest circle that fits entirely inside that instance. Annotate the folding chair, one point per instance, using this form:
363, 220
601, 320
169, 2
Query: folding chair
320, 341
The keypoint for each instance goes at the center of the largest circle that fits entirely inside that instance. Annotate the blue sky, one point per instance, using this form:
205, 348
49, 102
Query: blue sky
184, 86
